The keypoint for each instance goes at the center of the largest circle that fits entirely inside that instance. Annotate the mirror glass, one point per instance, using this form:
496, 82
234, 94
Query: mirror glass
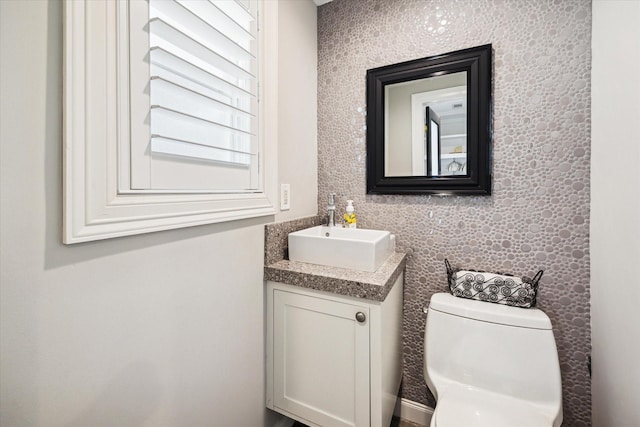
426, 126
429, 125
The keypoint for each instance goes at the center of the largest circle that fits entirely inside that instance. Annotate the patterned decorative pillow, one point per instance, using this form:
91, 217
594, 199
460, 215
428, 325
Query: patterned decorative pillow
493, 287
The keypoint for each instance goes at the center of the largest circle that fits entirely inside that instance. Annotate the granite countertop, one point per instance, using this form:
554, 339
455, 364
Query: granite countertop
359, 284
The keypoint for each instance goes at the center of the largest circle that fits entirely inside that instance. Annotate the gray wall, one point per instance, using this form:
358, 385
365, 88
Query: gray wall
538, 215
297, 106
163, 329
615, 213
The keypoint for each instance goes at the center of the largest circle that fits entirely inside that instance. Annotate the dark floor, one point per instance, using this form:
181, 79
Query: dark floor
395, 422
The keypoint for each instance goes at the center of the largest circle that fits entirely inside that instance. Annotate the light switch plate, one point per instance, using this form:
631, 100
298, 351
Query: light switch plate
285, 197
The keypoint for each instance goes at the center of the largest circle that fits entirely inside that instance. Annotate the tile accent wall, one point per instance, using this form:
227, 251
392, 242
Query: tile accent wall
538, 215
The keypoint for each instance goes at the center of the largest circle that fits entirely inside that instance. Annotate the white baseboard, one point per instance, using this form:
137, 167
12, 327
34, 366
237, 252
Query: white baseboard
413, 411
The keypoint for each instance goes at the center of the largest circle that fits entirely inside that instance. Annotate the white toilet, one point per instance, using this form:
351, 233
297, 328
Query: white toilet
491, 365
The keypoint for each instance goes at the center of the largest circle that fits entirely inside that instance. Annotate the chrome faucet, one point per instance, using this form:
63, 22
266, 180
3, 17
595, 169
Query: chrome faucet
331, 208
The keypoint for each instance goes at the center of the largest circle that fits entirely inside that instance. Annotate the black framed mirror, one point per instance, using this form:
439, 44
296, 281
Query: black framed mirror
429, 125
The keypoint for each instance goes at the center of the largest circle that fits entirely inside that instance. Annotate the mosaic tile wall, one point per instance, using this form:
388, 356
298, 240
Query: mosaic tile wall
538, 215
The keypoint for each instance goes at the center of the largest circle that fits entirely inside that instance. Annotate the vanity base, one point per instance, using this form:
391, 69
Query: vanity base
333, 360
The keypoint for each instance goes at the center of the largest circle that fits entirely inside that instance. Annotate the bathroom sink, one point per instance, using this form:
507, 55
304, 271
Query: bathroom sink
353, 248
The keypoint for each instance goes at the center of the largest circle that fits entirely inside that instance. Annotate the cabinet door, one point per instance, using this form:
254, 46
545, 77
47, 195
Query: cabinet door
321, 360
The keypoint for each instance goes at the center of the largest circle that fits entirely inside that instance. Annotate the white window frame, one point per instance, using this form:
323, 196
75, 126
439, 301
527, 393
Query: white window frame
98, 201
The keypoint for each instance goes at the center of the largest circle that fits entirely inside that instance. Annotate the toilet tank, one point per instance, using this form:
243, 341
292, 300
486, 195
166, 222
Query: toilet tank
507, 350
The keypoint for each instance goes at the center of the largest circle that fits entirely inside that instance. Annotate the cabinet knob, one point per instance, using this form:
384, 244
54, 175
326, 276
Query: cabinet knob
361, 317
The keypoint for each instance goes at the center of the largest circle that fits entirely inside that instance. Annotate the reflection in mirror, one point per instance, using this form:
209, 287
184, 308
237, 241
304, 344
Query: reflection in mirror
429, 125
431, 165
426, 126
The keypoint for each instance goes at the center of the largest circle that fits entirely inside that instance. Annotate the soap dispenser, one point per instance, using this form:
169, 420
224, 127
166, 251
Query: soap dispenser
350, 216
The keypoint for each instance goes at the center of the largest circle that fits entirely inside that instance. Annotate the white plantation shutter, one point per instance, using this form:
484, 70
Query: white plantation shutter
161, 126
203, 68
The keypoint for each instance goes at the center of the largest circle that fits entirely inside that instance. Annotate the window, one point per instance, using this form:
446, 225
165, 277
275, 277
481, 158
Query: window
166, 122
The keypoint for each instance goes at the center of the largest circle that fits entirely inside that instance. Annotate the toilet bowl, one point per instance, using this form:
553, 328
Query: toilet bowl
490, 365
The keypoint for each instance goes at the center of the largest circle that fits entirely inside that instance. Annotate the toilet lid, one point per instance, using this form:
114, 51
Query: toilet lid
488, 411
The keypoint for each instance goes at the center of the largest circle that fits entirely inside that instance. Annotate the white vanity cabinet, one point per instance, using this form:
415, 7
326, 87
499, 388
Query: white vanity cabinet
333, 360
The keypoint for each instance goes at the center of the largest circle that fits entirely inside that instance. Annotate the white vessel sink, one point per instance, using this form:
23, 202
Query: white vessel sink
352, 248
